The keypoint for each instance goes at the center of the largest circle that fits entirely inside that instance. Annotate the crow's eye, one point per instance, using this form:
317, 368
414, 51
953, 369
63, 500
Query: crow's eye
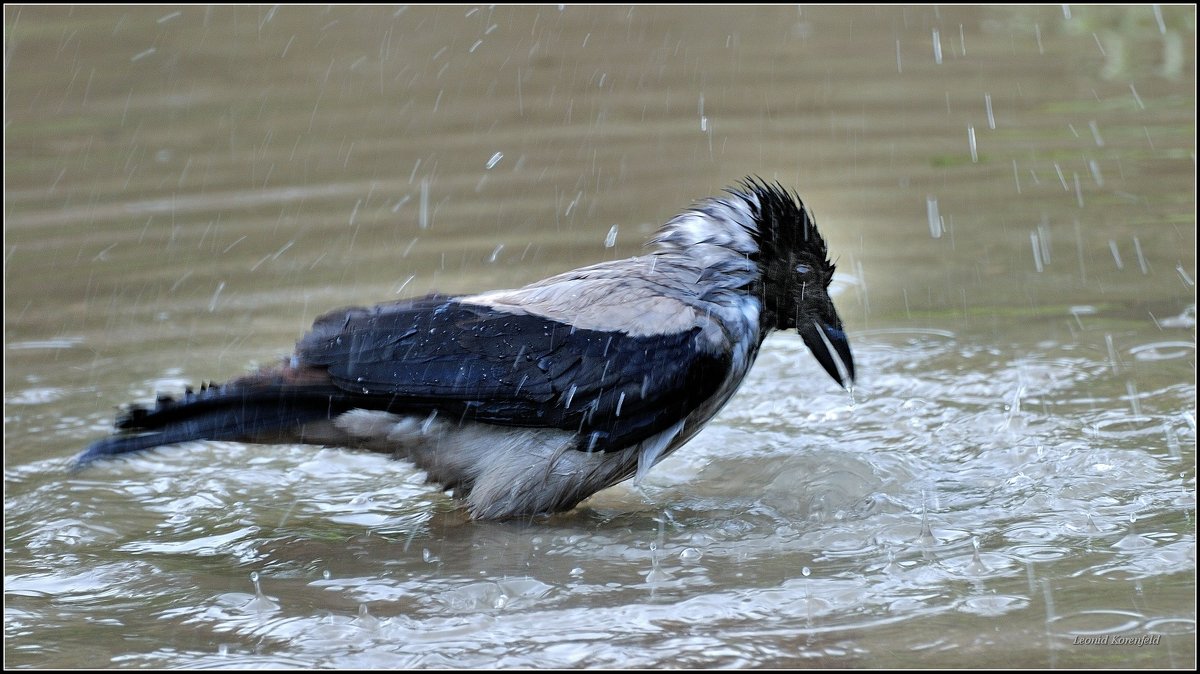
802, 269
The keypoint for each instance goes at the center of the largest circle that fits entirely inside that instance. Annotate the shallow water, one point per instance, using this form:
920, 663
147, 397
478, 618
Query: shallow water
1012, 477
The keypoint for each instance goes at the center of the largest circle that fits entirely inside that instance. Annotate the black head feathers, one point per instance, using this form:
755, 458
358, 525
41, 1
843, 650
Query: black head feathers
785, 229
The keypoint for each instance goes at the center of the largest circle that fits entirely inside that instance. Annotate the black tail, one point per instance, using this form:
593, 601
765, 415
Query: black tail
237, 411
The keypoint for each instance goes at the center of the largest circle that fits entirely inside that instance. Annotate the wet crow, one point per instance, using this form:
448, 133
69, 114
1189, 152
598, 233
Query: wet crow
530, 400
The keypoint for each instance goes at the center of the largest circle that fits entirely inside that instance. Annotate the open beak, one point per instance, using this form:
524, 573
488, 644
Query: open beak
829, 345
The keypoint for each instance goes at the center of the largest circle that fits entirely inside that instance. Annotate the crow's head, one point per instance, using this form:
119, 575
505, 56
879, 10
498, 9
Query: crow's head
760, 237
795, 273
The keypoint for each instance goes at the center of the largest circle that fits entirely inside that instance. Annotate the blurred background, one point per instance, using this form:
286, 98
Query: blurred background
1009, 194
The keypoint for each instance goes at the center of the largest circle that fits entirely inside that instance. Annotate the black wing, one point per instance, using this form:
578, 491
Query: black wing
484, 364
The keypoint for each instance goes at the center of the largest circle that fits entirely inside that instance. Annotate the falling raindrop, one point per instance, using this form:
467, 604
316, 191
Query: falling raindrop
1134, 403
1136, 99
935, 219
1173, 448
611, 239
212, 305
1112, 352
1079, 252
423, 213
1043, 232
1137, 249
1062, 180
1116, 253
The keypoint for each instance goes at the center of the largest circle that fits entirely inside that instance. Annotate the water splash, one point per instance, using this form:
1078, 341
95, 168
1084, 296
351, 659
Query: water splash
260, 603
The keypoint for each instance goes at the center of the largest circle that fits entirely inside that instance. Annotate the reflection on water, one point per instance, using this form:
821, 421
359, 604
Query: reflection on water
1009, 194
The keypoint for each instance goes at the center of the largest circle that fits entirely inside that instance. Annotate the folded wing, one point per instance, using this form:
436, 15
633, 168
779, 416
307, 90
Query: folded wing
480, 363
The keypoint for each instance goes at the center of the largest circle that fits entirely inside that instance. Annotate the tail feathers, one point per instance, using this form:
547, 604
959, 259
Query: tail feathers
231, 412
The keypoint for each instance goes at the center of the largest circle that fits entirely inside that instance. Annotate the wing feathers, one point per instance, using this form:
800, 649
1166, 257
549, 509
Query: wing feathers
486, 364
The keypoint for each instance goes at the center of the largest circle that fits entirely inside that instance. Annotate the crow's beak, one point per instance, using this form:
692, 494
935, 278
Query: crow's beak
828, 343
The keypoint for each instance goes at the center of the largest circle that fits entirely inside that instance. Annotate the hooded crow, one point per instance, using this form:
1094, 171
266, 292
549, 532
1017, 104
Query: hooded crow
528, 401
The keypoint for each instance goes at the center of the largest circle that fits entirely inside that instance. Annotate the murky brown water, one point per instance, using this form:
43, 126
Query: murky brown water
1010, 194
